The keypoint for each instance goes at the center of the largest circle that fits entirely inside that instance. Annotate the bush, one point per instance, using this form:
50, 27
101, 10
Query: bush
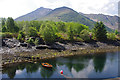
70, 31
21, 36
116, 32
79, 39
48, 33
111, 36
4, 29
36, 41
32, 32
84, 34
7, 35
30, 41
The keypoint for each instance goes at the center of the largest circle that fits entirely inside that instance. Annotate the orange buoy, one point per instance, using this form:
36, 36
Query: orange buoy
61, 72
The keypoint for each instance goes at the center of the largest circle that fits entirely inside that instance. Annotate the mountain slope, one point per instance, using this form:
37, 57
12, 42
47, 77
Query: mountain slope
67, 15
59, 14
38, 13
109, 21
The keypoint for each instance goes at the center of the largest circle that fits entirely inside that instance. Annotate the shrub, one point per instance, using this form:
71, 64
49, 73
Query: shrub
79, 39
7, 35
70, 31
32, 32
48, 33
21, 36
36, 41
4, 29
116, 32
84, 34
30, 41
111, 36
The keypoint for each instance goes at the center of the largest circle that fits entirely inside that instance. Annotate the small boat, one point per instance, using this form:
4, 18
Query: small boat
47, 65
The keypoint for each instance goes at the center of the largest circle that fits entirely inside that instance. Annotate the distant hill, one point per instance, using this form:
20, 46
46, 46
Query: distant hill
38, 13
109, 21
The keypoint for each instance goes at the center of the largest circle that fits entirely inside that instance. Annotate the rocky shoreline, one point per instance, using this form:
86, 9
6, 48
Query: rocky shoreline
13, 51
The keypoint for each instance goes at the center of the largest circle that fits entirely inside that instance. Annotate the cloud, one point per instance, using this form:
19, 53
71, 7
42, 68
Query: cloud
19, 72
96, 6
16, 8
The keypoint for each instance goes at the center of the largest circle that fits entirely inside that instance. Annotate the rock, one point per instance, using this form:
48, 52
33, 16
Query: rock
42, 47
33, 38
3, 43
74, 50
23, 44
29, 46
32, 44
57, 46
41, 41
10, 43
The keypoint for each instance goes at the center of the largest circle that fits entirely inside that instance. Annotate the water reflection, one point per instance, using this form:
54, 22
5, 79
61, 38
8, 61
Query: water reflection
77, 63
99, 62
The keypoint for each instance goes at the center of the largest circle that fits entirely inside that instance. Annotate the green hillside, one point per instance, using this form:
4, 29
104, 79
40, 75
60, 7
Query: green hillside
68, 15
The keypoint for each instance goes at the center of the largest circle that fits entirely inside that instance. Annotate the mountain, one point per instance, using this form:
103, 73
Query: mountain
59, 14
109, 21
38, 13
67, 15
64, 14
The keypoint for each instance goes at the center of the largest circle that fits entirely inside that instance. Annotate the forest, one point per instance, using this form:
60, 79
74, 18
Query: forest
50, 31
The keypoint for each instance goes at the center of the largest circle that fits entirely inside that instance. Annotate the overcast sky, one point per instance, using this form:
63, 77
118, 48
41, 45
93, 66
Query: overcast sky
16, 8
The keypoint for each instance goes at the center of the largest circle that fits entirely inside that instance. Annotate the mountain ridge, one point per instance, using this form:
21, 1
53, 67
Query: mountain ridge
38, 13
64, 14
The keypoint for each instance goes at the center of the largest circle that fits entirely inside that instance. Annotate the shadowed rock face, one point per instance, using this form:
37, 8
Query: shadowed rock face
10, 43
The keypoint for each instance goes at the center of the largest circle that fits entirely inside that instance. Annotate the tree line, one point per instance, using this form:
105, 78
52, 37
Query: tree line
51, 31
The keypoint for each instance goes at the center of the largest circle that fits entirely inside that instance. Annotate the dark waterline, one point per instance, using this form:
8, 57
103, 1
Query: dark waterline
102, 65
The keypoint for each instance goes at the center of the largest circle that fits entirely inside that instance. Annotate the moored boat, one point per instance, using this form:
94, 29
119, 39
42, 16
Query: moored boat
47, 65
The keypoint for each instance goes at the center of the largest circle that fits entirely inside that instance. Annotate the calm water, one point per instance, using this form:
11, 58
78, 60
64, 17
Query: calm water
103, 65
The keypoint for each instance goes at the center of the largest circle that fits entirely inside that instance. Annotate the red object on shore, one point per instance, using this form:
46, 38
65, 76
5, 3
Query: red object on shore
61, 72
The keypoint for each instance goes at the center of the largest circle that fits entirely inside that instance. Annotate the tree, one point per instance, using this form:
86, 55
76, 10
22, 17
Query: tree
26, 26
3, 22
116, 32
111, 36
84, 34
32, 32
48, 32
100, 31
79, 27
61, 26
70, 31
21, 36
10, 24
4, 29
11, 27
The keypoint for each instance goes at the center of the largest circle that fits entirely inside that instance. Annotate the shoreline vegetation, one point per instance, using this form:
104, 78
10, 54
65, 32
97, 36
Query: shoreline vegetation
29, 41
